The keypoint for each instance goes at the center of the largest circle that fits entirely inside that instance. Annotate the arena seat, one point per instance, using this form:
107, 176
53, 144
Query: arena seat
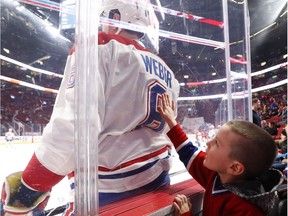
279, 131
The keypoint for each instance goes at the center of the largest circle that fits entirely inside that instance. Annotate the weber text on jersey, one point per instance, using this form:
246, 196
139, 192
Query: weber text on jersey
154, 66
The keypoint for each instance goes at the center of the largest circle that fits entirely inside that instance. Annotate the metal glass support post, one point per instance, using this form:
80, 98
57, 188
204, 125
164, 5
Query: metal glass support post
248, 59
86, 110
227, 58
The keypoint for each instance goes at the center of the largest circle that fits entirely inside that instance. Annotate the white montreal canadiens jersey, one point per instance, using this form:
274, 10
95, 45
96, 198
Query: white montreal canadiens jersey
133, 148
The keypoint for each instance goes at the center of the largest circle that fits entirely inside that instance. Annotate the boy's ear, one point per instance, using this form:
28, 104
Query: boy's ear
236, 168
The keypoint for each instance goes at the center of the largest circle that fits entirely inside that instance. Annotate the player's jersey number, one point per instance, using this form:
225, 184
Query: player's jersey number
153, 118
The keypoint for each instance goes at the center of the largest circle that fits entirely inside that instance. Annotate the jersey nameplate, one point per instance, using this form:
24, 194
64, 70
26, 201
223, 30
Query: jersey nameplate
153, 66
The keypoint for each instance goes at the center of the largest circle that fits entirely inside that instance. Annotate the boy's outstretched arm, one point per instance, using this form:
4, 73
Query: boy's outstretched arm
166, 110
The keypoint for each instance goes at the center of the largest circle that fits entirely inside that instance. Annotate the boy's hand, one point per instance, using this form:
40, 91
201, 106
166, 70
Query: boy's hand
166, 110
182, 205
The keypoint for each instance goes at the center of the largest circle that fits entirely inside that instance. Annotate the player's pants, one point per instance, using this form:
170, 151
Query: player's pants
9, 140
108, 198
161, 181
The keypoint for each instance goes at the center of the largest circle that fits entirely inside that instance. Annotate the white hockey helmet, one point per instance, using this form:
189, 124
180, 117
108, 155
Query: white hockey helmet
131, 11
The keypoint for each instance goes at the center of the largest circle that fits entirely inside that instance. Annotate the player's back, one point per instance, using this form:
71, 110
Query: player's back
132, 79
132, 140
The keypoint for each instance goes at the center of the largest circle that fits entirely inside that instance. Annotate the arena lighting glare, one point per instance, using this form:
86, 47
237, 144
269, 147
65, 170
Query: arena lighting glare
25, 66
160, 9
6, 50
54, 32
16, 3
20, 8
205, 97
283, 13
282, 65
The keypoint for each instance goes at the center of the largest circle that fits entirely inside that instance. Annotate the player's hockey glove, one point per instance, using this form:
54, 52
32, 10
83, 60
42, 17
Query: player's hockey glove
18, 199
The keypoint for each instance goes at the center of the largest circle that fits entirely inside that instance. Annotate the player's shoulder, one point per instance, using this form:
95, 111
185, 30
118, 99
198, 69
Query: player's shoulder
72, 50
105, 38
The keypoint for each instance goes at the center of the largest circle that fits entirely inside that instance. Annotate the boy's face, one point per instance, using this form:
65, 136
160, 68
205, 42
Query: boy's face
218, 150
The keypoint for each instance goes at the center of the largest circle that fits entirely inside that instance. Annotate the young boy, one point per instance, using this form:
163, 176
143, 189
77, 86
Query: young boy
231, 167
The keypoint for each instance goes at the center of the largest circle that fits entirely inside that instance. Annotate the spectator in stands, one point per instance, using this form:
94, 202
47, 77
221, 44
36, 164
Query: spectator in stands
274, 111
272, 129
234, 184
273, 103
283, 142
281, 158
255, 108
284, 115
264, 125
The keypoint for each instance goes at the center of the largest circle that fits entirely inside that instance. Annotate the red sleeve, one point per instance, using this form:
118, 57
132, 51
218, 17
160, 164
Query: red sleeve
38, 177
186, 214
104, 38
201, 174
177, 135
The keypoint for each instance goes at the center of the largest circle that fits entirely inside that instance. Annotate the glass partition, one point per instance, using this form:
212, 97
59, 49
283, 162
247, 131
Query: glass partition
204, 43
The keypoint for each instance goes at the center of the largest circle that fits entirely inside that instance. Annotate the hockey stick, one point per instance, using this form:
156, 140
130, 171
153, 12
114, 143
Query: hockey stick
55, 211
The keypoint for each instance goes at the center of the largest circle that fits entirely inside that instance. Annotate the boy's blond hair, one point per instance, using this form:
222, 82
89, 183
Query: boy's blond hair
256, 149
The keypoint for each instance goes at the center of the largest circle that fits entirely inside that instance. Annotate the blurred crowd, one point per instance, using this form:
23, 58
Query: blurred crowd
32, 106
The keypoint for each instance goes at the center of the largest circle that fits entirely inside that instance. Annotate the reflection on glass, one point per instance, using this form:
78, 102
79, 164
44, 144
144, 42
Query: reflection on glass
187, 47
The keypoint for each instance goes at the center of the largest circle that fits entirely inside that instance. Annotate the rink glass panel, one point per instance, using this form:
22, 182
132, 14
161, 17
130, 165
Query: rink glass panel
198, 58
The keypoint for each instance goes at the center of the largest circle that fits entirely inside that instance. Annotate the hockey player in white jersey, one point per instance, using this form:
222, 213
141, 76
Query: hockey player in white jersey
9, 136
134, 154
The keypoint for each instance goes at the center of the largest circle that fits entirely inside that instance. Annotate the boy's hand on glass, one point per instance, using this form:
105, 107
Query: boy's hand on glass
181, 205
166, 110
